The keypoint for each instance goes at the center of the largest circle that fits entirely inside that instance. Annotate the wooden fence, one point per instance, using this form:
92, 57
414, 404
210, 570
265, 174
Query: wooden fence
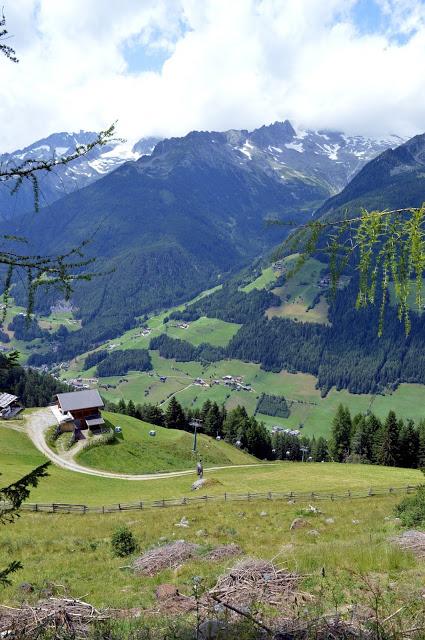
290, 496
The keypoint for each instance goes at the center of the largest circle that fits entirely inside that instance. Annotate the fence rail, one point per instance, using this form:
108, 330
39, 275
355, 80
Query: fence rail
308, 496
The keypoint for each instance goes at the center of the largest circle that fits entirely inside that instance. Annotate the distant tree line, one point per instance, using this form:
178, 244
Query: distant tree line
365, 438
120, 362
184, 351
229, 304
272, 406
358, 439
94, 358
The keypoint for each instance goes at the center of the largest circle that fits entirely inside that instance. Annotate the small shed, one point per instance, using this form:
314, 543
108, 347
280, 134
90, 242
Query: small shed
9, 406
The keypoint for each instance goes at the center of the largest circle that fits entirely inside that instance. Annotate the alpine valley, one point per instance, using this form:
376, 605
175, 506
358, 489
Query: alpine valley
188, 286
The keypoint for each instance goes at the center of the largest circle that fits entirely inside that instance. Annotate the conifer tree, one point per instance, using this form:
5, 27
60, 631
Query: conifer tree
421, 447
131, 408
362, 442
389, 449
174, 415
320, 451
11, 499
258, 439
205, 410
375, 429
213, 421
233, 425
341, 434
122, 407
408, 446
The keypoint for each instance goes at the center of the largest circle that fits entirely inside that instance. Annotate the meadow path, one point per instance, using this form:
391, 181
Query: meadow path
39, 420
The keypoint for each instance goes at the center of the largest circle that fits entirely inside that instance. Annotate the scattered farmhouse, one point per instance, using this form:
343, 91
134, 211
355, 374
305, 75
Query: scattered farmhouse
200, 382
9, 406
78, 410
288, 432
236, 383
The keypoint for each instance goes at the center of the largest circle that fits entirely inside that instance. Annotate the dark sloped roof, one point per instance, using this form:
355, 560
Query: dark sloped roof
76, 400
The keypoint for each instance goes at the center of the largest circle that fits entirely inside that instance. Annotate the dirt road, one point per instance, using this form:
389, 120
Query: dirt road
36, 424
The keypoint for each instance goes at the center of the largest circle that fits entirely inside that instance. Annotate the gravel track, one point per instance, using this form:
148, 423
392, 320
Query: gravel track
40, 420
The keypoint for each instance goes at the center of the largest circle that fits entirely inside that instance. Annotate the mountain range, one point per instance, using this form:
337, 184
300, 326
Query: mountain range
167, 225
328, 159
396, 178
65, 178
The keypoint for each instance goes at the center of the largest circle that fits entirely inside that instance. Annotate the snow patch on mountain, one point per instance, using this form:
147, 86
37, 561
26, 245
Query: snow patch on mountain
296, 146
246, 149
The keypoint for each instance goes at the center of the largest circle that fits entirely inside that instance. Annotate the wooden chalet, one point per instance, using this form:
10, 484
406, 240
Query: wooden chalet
79, 410
9, 406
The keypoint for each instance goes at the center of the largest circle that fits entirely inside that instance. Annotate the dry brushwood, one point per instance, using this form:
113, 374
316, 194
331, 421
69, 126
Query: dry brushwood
168, 556
413, 541
64, 616
323, 628
223, 552
258, 581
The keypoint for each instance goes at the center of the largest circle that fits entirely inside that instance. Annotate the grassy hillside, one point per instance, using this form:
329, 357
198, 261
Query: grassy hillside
300, 292
76, 551
18, 456
135, 451
267, 277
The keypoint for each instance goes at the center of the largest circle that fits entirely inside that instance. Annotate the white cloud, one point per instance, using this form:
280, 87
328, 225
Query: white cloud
230, 64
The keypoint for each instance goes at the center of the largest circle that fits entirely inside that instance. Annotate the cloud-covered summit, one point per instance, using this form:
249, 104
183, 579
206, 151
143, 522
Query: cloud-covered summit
164, 67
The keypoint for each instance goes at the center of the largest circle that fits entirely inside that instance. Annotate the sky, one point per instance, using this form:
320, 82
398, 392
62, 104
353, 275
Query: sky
166, 67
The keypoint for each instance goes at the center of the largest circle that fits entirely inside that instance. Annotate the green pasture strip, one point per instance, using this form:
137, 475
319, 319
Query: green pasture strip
352, 538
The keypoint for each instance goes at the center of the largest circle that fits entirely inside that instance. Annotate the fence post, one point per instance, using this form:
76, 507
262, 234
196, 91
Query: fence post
103, 509
163, 502
225, 497
248, 496
390, 490
141, 504
36, 507
84, 508
270, 495
349, 493
119, 506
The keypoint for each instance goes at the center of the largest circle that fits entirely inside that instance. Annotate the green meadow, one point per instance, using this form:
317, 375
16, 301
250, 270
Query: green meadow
18, 456
135, 451
351, 540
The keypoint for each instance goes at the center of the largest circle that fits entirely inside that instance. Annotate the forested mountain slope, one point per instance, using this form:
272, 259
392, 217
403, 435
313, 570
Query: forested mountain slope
173, 223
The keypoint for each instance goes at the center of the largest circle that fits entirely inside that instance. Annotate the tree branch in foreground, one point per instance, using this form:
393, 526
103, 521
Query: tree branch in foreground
384, 246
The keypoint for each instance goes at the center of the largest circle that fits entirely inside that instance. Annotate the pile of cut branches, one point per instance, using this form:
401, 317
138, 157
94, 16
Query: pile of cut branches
223, 552
260, 582
169, 556
63, 617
